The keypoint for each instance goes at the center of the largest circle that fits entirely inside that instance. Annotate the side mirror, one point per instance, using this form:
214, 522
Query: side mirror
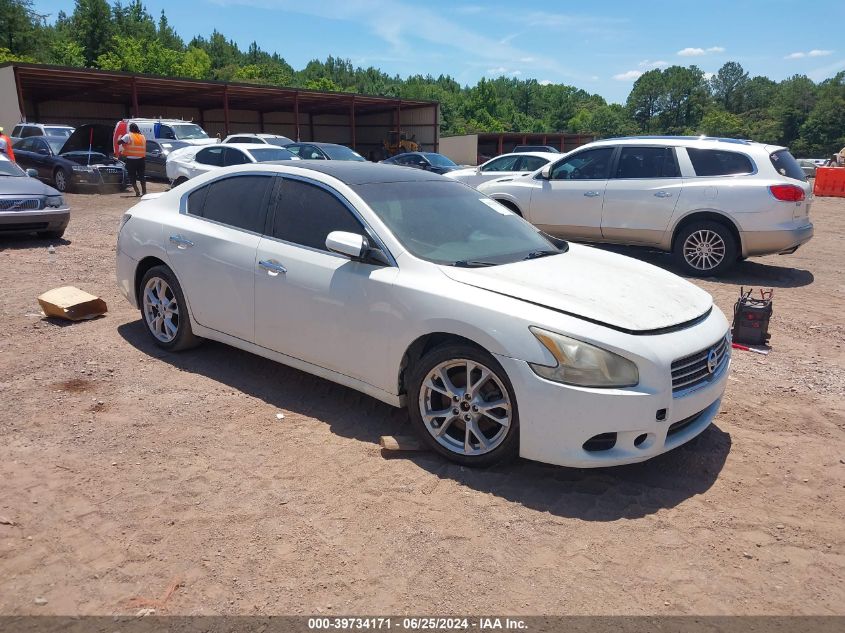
349, 244
32, 173
546, 172
478, 170
43, 151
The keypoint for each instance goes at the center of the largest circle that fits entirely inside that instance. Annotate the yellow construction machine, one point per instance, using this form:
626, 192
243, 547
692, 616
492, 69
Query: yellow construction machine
399, 142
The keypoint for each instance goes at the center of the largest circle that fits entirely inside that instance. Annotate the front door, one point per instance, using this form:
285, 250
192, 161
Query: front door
315, 305
212, 245
569, 203
641, 195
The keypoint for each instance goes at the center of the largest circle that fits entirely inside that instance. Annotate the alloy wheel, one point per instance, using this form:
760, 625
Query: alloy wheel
465, 407
61, 181
161, 309
704, 249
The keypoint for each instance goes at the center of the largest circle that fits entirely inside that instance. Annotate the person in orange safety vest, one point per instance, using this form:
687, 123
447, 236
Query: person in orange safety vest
133, 151
6, 146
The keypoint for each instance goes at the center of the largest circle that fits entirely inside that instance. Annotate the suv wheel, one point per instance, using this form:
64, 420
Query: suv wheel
704, 249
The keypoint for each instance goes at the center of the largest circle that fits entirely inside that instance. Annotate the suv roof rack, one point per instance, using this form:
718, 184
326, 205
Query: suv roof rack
737, 141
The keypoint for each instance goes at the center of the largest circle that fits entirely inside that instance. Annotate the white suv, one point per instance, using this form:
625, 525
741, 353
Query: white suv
709, 201
25, 130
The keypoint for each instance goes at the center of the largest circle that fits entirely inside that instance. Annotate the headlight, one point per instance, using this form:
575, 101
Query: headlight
82, 168
55, 202
582, 364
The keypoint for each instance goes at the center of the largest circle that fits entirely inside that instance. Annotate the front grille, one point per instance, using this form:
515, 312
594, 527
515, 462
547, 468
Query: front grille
697, 369
111, 174
23, 204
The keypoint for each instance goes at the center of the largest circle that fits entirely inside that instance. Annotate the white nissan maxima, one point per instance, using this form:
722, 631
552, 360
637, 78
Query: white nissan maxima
421, 292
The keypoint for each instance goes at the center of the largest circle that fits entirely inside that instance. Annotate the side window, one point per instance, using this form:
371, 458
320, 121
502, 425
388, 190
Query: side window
713, 162
306, 214
152, 146
28, 130
232, 156
505, 163
167, 132
592, 164
310, 152
38, 145
17, 131
646, 162
239, 201
531, 163
294, 149
211, 156
25, 145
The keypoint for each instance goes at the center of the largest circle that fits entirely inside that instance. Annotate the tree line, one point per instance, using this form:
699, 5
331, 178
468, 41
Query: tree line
807, 116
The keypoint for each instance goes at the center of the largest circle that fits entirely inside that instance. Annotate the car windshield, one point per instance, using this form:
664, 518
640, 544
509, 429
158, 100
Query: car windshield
8, 168
264, 154
187, 131
439, 160
339, 152
64, 132
56, 146
449, 223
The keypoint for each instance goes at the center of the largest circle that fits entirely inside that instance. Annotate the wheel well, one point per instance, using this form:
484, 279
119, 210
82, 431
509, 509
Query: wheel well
705, 216
510, 205
143, 266
422, 346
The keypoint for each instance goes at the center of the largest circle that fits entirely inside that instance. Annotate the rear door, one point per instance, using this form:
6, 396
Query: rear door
212, 244
641, 195
569, 203
206, 160
155, 160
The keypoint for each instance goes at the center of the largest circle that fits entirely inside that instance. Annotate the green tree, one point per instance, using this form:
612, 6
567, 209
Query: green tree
718, 122
195, 64
644, 99
21, 28
92, 28
728, 86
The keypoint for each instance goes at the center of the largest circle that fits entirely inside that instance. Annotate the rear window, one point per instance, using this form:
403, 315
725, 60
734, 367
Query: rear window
714, 162
786, 165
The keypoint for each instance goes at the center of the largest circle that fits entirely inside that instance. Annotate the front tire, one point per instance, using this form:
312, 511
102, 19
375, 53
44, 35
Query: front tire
61, 180
462, 404
705, 249
165, 311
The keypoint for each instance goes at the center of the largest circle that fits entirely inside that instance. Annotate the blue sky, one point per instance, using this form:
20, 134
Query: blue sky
600, 46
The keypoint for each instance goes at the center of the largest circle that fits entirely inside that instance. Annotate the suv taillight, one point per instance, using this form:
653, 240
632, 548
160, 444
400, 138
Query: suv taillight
787, 193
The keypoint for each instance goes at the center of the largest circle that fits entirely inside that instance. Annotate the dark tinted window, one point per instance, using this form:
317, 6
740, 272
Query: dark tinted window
309, 152
786, 165
591, 164
306, 214
16, 131
505, 163
234, 157
531, 163
714, 162
239, 201
30, 130
40, 145
152, 146
647, 162
24, 144
268, 152
242, 139
166, 132
211, 156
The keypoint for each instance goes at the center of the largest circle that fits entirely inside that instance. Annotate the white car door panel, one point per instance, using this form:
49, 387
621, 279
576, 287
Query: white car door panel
212, 248
307, 299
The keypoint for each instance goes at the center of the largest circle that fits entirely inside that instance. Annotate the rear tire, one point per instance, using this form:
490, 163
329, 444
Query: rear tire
457, 416
165, 311
705, 249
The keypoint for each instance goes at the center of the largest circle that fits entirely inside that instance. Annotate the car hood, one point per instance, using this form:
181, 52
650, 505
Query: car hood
23, 185
605, 288
94, 135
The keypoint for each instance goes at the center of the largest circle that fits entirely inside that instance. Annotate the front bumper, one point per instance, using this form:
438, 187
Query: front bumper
557, 420
35, 220
771, 242
99, 177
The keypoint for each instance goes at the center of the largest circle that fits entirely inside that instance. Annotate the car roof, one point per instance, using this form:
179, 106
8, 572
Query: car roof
360, 173
538, 154
318, 144
240, 145
702, 142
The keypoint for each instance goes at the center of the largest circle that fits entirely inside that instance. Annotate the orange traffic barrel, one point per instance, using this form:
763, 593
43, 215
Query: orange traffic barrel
830, 181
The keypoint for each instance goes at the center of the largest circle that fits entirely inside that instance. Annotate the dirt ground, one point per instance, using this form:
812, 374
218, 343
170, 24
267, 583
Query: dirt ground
136, 478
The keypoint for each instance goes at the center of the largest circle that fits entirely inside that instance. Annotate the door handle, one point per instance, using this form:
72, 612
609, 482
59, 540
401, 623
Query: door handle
592, 194
181, 242
663, 194
273, 268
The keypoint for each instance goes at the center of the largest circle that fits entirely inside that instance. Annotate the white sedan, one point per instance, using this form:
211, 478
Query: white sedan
517, 164
189, 162
421, 292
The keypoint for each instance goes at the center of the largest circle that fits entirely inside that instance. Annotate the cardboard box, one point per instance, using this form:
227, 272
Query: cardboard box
72, 304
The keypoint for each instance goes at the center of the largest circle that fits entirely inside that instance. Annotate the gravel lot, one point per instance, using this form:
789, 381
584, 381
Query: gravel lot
138, 479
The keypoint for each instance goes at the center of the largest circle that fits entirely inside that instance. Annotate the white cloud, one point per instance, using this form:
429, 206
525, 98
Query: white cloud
709, 76
546, 82
499, 70
698, 52
653, 64
630, 75
526, 60
813, 53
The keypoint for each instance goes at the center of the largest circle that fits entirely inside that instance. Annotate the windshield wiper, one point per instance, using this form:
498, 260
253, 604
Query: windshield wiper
538, 254
473, 263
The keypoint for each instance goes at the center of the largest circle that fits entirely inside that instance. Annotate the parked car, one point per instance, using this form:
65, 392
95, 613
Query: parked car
504, 165
535, 148
269, 139
156, 159
25, 130
189, 162
430, 161
82, 160
324, 151
808, 166
29, 206
167, 130
709, 201
416, 290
